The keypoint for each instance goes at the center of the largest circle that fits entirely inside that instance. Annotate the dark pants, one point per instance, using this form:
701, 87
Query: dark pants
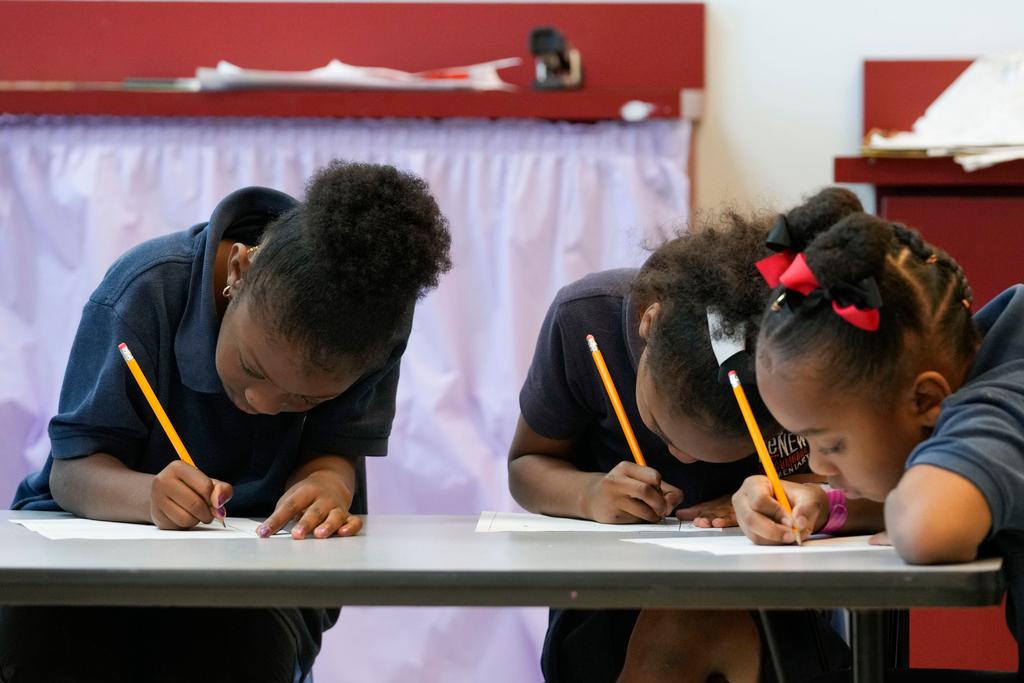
590, 645
142, 644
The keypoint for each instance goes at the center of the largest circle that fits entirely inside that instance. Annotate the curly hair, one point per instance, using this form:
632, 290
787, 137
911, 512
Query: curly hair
926, 300
713, 266
339, 273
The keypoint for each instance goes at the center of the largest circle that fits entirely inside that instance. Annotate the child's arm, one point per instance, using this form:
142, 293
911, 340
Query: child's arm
764, 521
542, 480
319, 493
99, 486
935, 515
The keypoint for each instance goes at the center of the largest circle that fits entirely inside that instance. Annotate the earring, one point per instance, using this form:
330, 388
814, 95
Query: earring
226, 292
251, 251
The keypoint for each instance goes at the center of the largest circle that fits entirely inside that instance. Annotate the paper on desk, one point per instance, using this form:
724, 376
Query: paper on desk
524, 521
741, 545
338, 74
66, 528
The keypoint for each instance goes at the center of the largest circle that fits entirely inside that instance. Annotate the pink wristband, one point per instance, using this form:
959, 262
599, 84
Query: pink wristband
837, 512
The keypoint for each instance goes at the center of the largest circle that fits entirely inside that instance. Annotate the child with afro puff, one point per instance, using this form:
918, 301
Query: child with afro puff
272, 336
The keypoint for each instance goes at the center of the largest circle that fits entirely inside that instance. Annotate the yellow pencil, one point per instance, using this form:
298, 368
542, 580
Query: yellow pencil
620, 412
154, 403
762, 450
158, 409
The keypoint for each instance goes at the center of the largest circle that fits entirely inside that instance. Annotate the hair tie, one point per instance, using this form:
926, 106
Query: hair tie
856, 303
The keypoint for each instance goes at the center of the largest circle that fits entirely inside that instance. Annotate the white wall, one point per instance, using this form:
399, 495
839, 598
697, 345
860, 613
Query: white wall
784, 83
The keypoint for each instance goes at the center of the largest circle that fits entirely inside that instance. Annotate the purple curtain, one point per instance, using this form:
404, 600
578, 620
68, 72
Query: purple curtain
533, 205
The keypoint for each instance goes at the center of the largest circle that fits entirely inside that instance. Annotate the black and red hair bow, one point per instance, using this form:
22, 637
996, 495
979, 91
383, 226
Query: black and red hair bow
781, 241
856, 303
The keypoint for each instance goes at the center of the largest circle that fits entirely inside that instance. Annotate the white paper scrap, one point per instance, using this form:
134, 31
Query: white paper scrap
67, 528
524, 521
741, 545
338, 74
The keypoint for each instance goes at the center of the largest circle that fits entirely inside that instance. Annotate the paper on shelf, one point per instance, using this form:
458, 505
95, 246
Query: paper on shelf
741, 545
338, 74
524, 521
67, 528
978, 119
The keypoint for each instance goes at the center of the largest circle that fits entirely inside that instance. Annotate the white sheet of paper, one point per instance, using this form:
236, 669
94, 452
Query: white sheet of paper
525, 521
741, 545
67, 528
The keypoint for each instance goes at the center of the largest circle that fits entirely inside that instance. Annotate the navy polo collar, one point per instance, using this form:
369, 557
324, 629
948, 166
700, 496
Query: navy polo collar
631, 330
241, 216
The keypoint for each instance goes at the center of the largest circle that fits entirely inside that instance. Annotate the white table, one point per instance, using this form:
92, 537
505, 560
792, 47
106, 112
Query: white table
435, 560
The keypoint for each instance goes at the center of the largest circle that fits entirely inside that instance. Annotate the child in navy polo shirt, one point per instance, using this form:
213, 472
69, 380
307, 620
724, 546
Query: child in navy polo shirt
910, 400
569, 456
272, 336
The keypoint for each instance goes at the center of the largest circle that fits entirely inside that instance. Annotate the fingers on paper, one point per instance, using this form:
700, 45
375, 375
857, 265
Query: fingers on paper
642, 488
759, 514
219, 496
881, 538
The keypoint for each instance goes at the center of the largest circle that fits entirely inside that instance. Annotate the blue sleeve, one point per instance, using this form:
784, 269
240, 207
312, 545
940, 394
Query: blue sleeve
551, 400
358, 422
101, 408
980, 436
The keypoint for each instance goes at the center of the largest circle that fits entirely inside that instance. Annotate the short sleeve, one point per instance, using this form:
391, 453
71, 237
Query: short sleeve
551, 400
358, 422
980, 436
101, 408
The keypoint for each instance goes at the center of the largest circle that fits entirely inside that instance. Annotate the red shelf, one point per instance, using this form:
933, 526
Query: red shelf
650, 52
589, 105
941, 171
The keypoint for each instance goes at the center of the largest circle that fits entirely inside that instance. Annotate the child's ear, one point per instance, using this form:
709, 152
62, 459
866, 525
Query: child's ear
239, 260
647, 319
930, 390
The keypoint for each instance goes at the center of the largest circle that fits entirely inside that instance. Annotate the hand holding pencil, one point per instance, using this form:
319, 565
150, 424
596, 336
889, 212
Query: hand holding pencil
762, 452
181, 496
632, 491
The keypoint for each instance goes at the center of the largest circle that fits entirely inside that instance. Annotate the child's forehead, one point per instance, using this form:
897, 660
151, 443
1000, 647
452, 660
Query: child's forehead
284, 360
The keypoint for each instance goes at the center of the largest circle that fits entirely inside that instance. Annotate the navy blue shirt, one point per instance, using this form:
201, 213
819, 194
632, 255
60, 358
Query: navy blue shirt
563, 396
159, 299
980, 436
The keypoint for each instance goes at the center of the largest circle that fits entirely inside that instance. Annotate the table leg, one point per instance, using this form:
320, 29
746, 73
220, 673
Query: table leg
773, 646
867, 637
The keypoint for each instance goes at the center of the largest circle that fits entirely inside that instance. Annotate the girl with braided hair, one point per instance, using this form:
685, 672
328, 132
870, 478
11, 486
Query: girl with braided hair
868, 348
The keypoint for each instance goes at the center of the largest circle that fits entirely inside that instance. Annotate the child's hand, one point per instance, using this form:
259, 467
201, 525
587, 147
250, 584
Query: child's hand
765, 522
630, 493
320, 503
181, 497
718, 513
